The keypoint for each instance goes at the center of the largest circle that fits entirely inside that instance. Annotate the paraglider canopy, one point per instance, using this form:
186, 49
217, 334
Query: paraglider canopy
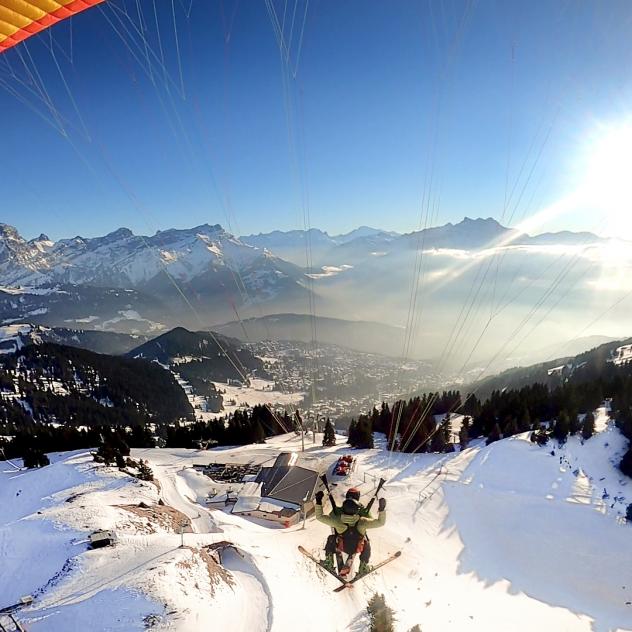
19, 19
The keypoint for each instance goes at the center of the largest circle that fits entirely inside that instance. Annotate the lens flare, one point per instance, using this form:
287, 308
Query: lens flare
607, 185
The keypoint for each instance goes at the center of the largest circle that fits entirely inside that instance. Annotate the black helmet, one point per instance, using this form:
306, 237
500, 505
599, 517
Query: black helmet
350, 507
353, 492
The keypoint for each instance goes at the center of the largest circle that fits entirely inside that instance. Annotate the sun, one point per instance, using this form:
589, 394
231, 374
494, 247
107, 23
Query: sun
607, 179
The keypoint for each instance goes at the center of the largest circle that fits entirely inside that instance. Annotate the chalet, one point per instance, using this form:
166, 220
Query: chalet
281, 493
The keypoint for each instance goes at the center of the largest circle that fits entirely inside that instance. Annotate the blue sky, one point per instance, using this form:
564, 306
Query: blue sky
487, 97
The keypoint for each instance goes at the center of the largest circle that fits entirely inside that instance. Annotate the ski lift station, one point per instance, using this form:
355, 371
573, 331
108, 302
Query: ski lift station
282, 493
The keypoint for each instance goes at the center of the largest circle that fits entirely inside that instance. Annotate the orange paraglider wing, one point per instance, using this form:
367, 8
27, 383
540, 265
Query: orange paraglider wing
19, 19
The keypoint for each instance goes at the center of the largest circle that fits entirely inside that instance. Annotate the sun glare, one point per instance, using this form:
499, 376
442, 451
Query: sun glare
607, 185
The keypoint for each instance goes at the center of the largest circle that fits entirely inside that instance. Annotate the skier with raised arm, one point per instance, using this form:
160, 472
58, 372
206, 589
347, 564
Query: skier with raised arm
350, 523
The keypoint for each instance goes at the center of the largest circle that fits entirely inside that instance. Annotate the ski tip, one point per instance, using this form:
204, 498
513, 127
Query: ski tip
397, 554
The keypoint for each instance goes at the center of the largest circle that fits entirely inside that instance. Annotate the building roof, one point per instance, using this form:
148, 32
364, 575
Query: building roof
288, 483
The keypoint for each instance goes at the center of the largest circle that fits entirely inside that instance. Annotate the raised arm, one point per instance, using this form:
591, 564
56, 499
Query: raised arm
374, 523
330, 521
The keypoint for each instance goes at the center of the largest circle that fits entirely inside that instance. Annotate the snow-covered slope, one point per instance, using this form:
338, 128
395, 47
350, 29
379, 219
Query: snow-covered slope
505, 537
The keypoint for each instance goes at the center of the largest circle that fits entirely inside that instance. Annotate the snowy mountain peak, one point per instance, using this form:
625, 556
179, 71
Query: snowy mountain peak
206, 255
480, 221
360, 232
120, 233
9, 232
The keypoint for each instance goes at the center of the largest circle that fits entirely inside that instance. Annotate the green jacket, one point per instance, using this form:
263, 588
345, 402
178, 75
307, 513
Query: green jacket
336, 521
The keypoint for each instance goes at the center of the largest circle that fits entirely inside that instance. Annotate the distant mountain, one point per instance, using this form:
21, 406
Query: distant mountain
195, 277
360, 232
560, 350
293, 245
364, 336
138, 284
122, 259
57, 383
213, 357
365, 242
583, 367
111, 343
471, 234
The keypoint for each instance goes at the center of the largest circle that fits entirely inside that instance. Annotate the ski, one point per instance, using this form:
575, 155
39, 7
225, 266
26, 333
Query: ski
314, 559
348, 583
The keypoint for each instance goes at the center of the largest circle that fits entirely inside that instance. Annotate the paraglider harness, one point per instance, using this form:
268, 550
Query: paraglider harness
351, 542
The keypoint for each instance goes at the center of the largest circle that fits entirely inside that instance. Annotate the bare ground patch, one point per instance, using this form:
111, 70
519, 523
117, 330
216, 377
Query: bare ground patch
217, 574
158, 517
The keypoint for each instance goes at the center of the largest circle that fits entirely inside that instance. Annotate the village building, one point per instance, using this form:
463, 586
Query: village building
282, 493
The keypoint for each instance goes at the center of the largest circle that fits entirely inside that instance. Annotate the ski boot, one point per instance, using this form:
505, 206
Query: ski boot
328, 563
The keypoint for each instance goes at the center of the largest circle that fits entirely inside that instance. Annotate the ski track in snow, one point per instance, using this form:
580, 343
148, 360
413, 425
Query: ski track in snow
505, 537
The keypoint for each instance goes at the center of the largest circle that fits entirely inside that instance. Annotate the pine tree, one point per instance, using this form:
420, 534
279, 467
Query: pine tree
364, 431
574, 426
257, 433
561, 427
381, 617
105, 454
145, 473
34, 458
329, 434
524, 421
511, 428
628, 513
438, 443
464, 433
540, 436
588, 426
351, 433
494, 435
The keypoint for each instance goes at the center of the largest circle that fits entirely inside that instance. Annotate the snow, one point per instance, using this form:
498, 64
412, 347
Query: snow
131, 314
36, 291
37, 312
509, 536
249, 498
260, 391
11, 337
87, 319
329, 271
623, 354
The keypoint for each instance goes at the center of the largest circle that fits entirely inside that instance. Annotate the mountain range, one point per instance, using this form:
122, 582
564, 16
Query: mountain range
365, 241
359, 335
199, 277
135, 283
202, 256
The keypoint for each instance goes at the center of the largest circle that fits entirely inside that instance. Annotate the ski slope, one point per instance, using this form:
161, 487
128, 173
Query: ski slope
505, 537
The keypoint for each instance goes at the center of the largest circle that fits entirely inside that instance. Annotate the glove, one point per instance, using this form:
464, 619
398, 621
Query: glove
319, 497
381, 504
